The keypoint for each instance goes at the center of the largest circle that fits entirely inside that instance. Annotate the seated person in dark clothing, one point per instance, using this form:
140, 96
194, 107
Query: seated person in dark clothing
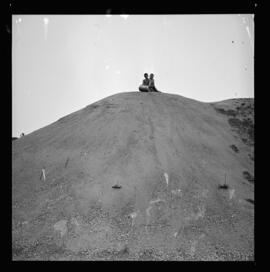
152, 87
145, 85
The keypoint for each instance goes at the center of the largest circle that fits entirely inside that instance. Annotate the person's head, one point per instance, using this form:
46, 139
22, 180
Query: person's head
146, 75
151, 76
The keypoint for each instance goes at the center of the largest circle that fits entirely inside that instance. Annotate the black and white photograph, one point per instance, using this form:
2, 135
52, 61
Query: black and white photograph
133, 137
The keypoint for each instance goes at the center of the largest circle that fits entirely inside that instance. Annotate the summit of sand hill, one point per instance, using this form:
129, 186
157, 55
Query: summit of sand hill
137, 176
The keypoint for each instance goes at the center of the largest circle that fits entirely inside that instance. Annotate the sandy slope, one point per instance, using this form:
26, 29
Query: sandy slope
167, 153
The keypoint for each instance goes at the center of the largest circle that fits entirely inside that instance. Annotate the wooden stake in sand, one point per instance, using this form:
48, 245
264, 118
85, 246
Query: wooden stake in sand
66, 162
166, 178
44, 175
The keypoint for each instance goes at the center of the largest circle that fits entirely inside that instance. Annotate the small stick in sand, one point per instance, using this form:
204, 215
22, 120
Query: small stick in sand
166, 178
43, 173
66, 162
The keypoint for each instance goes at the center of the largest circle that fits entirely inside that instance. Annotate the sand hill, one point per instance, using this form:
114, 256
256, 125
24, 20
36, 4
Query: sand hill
137, 176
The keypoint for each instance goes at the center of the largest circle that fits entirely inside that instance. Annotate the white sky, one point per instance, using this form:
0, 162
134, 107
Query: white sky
61, 63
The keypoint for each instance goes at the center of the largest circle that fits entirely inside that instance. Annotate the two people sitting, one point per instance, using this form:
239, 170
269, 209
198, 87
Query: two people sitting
148, 84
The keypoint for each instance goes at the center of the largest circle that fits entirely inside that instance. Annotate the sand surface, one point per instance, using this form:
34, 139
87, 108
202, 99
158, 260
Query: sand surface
137, 176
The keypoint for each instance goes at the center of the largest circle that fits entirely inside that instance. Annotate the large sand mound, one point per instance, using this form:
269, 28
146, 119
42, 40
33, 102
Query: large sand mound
137, 176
